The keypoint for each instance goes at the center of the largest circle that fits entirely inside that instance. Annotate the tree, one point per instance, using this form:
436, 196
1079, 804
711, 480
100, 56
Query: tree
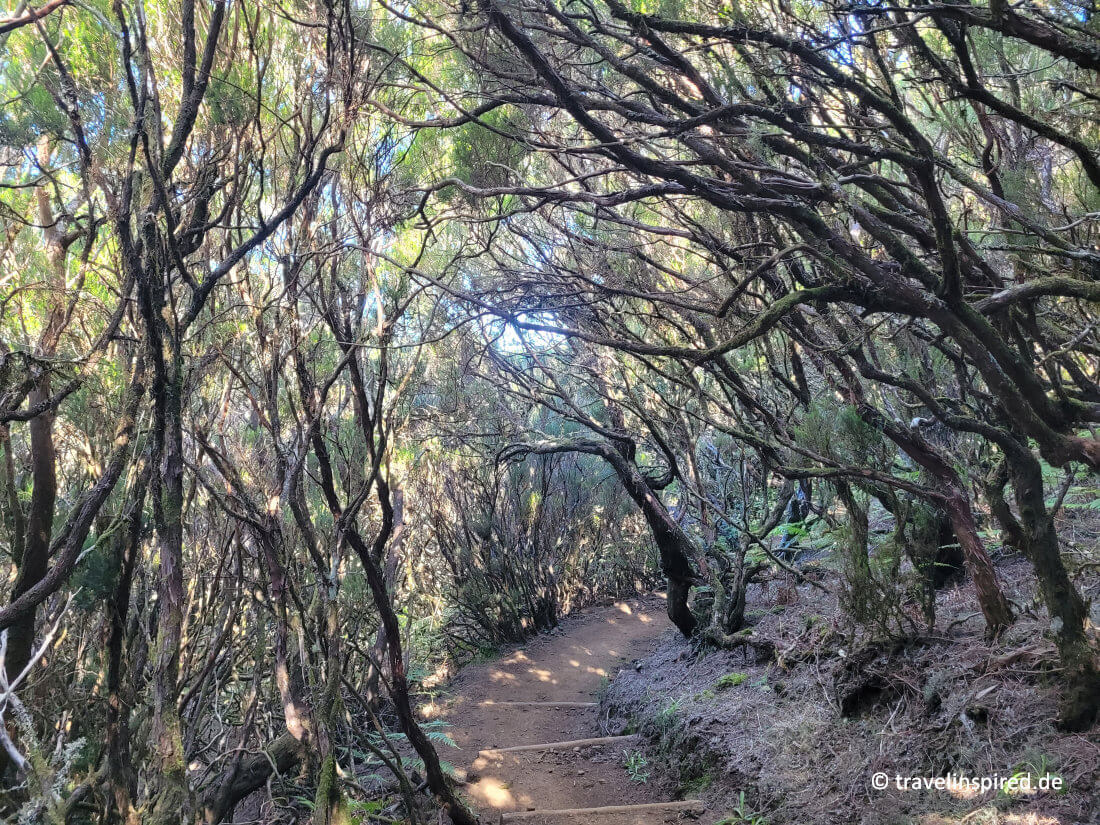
805, 133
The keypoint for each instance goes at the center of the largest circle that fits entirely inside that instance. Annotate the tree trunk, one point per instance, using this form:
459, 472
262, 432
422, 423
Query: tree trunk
1068, 611
1011, 533
170, 794
994, 605
249, 776
673, 544
675, 548
399, 686
378, 649
943, 559
36, 541
860, 581
950, 562
956, 504
13, 512
35, 555
39, 526
329, 805
120, 773
297, 714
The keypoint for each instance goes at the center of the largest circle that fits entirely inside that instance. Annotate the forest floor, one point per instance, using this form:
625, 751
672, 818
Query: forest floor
788, 740
803, 734
573, 664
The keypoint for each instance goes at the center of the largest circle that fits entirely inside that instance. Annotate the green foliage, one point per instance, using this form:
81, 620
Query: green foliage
731, 680
742, 814
699, 784
666, 718
603, 688
367, 811
492, 144
839, 431
227, 99
637, 766
1036, 765
384, 269
96, 576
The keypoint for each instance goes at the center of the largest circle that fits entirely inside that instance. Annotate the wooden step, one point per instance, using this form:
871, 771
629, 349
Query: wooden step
682, 805
491, 703
557, 746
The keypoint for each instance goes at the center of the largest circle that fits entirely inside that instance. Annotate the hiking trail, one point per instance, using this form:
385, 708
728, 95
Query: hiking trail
528, 732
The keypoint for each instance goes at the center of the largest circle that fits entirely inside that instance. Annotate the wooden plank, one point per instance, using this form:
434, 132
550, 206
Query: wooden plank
491, 703
551, 746
683, 805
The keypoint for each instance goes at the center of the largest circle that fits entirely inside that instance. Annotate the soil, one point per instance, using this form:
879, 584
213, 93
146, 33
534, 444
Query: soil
572, 664
801, 737
791, 739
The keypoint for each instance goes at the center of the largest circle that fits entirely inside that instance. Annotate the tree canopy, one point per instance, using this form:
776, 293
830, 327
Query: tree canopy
342, 340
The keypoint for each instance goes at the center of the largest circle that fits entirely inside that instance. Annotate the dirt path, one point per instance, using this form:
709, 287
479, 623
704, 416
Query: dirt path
566, 666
